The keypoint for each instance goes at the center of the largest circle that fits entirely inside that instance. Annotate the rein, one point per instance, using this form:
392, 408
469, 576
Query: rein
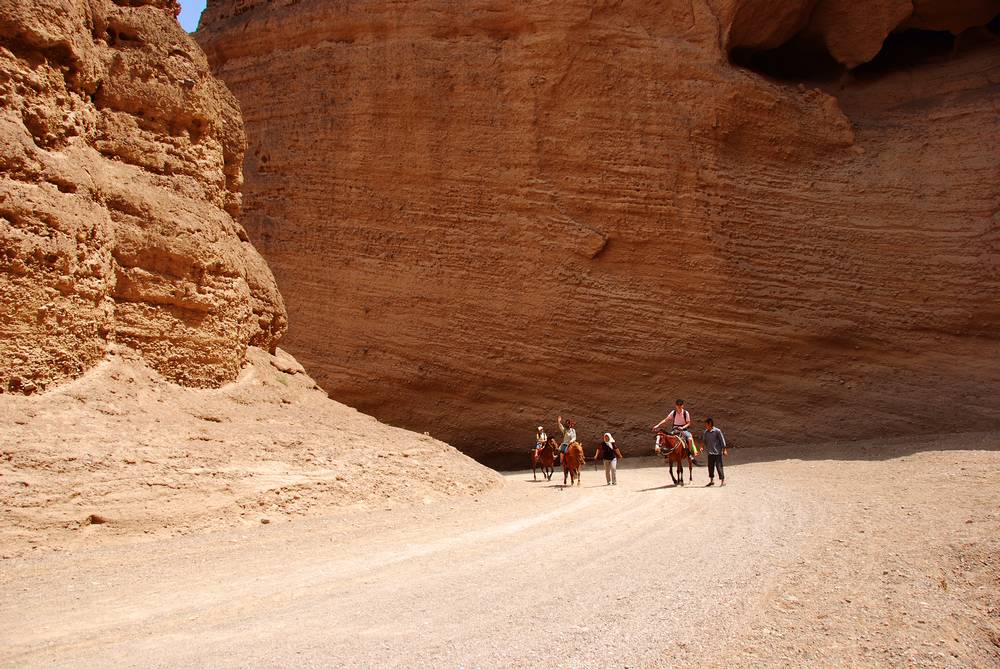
676, 443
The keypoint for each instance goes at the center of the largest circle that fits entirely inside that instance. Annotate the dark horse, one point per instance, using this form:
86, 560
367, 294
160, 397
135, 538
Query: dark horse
675, 452
544, 457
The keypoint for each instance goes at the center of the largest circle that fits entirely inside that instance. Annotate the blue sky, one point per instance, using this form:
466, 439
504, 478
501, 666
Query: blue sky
190, 12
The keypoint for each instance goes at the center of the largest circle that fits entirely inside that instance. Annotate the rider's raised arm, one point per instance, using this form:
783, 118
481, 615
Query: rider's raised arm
660, 424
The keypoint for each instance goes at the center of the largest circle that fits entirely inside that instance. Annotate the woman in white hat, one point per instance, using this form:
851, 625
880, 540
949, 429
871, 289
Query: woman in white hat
608, 452
540, 437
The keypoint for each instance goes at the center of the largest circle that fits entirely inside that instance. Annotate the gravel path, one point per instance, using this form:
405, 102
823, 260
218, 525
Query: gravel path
886, 556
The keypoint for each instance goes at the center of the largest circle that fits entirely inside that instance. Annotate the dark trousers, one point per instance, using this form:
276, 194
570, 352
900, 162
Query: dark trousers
715, 462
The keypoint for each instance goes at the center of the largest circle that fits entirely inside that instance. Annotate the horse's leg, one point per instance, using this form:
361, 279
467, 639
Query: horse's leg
690, 469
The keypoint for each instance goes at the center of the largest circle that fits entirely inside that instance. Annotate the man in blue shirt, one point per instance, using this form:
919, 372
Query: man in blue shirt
715, 446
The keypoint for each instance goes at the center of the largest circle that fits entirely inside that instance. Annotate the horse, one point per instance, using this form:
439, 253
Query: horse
675, 452
544, 457
572, 461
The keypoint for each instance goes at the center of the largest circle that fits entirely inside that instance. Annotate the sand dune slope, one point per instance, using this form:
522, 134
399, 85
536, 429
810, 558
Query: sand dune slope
125, 446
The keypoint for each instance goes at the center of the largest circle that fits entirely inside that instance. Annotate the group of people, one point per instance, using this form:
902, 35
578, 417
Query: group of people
677, 422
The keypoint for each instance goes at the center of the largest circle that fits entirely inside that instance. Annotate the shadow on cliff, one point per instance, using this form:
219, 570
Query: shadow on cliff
888, 448
805, 58
869, 450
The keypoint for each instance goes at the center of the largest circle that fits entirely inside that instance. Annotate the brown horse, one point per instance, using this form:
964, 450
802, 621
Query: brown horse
572, 461
544, 457
675, 452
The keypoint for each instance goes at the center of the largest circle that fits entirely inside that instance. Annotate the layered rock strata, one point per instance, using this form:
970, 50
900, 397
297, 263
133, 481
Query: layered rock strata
120, 175
485, 213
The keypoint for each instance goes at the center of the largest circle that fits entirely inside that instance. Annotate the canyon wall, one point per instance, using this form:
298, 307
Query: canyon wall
134, 400
482, 214
120, 176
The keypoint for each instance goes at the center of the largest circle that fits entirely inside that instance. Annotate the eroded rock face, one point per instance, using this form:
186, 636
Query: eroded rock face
853, 32
485, 213
120, 175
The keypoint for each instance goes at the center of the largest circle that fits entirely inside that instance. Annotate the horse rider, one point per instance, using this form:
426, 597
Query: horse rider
680, 422
540, 438
568, 433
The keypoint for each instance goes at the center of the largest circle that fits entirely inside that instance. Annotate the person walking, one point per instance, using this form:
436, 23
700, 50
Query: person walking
715, 446
610, 453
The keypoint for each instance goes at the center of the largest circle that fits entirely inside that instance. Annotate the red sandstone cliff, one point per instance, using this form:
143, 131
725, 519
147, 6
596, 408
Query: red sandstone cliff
120, 174
485, 213
119, 178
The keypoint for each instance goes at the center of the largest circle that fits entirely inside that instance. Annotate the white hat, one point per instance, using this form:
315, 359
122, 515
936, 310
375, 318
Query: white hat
540, 428
608, 436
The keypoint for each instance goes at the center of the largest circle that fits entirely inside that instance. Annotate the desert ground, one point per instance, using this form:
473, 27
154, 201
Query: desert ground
463, 218
874, 554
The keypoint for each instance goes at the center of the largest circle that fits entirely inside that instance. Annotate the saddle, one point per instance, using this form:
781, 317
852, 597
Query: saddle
677, 432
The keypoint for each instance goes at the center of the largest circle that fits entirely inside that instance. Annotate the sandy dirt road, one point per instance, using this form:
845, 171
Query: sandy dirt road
885, 556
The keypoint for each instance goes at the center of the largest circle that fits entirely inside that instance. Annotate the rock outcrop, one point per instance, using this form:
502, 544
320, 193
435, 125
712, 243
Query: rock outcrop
120, 175
484, 213
125, 277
